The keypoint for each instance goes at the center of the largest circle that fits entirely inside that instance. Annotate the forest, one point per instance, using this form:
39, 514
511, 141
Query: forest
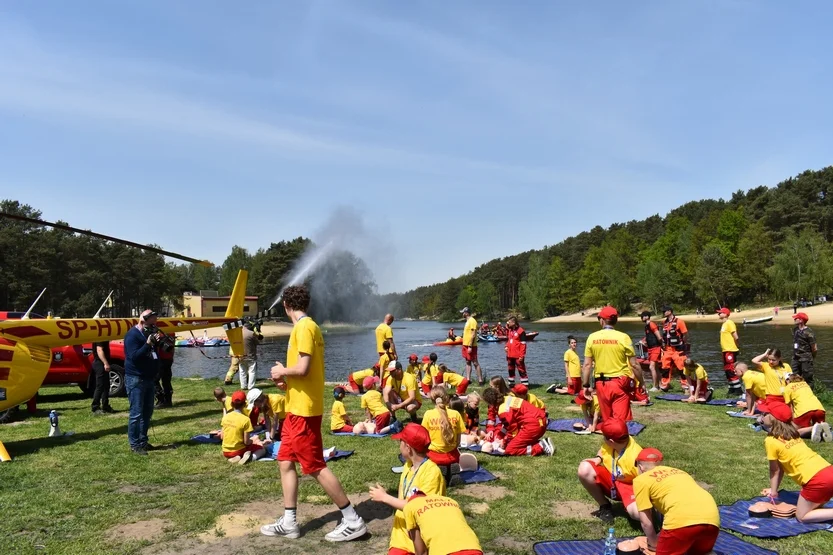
764, 245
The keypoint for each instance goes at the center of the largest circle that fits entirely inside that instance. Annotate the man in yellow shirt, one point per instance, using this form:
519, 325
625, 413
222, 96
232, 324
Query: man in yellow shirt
401, 392
755, 385
418, 473
615, 361
385, 333
729, 346
470, 346
438, 527
691, 522
302, 442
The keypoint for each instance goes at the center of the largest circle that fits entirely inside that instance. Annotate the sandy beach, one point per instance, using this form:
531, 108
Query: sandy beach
269, 329
820, 315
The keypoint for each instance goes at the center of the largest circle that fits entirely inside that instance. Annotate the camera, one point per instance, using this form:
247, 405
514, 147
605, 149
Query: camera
166, 342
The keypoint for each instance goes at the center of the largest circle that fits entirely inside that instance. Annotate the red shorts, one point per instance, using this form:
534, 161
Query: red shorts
397, 551
302, 443
698, 539
239, 453
467, 552
352, 383
775, 405
670, 357
382, 421
820, 487
637, 393
346, 429
574, 385
444, 459
703, 391
624, 492
654, 354
809, 418
469, 357
614, 399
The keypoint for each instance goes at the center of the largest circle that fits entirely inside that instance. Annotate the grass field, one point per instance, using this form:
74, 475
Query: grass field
87, 494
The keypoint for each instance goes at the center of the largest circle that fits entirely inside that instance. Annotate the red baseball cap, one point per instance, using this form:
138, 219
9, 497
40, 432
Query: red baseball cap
370, 381
238, 397
581, 399
779, 411
608, 312
413, 356
426, 358
801, 316
649, 454
615, 429
415, 436
520, 389
725, 311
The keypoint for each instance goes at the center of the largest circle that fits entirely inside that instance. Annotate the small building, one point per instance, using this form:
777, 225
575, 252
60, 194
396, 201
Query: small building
210, 303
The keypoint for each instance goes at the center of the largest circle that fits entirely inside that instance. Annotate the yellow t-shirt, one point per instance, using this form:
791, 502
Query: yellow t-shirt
611, 350
359, 375
755, 382
625, 470
452, 378
305, 394
699, 373
384, 361
413, 369
677, 496
801, 397
727, 340
372, 400
234, 425
799, 461
428, 479
573, 363
228, 408
404, 386
383, 333
774, 377
276, 404
442, 525
337, 415
535, 401
430, 371
470, 333
431, 422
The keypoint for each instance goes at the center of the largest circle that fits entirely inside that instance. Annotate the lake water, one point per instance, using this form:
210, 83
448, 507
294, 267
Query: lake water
345, 352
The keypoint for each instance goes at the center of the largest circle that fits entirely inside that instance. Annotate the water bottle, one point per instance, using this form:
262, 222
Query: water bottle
610, 543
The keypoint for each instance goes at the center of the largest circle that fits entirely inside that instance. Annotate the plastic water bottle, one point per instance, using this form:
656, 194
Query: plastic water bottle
610, 543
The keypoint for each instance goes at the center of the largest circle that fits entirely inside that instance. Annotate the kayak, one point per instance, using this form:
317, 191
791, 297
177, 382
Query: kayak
449, 343
757, 320
530, 335
489, 338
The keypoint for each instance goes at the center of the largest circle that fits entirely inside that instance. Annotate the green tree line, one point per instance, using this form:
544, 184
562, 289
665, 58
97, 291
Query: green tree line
765, 244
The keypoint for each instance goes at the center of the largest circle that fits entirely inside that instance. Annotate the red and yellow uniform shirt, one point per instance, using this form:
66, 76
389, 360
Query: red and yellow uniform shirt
801, 397
431, 421
573, 363
442, 525
337, 414
611, 351
305, 394
516, 343
428, 479
621, 466
235, 425
677, 496
535, 401
516, 413
372, 401
798, 461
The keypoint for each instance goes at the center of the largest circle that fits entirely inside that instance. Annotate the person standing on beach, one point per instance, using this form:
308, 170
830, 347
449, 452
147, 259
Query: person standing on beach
385, 333
729, 346
675, 336
470, 345
804, 348
301, 440
612, 351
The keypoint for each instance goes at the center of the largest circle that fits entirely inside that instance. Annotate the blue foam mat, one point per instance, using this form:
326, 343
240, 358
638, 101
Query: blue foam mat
727, 544
360, 435
740, 414
476, 449
272, 453
206, 438
566, 425
477, 476
713, 402
735, 517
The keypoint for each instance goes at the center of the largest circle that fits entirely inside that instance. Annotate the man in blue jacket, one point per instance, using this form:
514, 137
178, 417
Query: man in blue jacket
141, 365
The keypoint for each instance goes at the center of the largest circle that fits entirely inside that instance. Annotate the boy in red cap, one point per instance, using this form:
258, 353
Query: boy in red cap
301, 441
610, 474
804, 348
438, 526
691, 520
615, 365
238, 446
523, 424
419, 473
729, 345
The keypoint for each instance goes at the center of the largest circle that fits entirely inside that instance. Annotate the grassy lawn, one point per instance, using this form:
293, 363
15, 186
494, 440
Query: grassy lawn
88, 494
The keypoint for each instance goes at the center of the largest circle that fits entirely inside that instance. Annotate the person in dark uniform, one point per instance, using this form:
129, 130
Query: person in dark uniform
101, 374
804, 348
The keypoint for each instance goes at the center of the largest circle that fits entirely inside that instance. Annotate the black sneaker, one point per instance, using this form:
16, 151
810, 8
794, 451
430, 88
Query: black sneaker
108, 409
604, 513
148, 447
139, 451
552, 388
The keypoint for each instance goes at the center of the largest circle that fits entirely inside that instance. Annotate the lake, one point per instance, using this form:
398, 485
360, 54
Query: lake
347, 352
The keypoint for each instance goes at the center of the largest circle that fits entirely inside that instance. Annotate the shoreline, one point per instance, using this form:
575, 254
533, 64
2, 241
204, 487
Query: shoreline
273, 330
820, 315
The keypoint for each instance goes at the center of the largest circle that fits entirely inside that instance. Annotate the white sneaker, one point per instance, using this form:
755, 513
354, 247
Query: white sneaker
279, 530
546, 447
550, 443
815, 435
826, 432
234, 460
245, 458
653, 390
346, 531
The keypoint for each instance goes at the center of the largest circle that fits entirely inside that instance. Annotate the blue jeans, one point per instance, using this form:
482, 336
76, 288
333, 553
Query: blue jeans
140, 393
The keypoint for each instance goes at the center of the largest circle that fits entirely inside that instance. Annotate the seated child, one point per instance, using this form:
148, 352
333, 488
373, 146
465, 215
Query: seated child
444, 427
438, 526
698, 382
524, 425
378, 420
355, 379
590, 410
414, 368
238, 446
806, 467
472, 412
452, 379
755, 385
602, 479
808, 413
339, 421
272, 407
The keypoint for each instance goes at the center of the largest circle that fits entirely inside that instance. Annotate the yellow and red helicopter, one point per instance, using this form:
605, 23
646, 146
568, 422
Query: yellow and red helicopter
25, 345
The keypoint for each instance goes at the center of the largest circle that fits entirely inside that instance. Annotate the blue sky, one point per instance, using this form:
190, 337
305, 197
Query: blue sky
459, 131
